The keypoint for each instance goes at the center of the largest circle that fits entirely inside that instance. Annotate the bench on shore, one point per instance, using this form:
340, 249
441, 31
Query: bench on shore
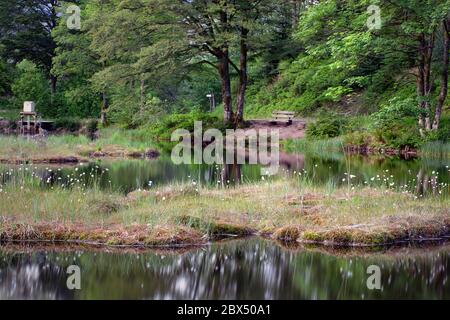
283, 116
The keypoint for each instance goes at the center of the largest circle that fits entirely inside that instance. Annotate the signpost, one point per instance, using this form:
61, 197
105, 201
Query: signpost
212, 102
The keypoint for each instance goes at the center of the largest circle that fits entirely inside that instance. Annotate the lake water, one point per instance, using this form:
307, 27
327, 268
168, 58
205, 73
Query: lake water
422, 176
241, 269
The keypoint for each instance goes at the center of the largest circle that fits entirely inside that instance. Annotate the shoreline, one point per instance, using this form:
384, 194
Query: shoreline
148, 155
332, 249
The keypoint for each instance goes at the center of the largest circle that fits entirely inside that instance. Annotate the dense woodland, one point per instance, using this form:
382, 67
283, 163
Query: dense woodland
149, 64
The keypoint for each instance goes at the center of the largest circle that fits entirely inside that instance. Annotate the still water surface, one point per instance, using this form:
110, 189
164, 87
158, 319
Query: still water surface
242, 269
423, 176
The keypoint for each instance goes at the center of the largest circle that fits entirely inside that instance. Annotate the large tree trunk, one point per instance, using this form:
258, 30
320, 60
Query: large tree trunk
427, 80
243, 78
224, 72
444, 76
105, 106
297, 7
420, 87
424, 83
53, 82
142, 95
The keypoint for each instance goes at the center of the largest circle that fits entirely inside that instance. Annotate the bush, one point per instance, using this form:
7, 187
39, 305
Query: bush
443, 133
69, 124
396, 110
401, 134
359, 138
395, 124
164, 128
327, 127
91, 126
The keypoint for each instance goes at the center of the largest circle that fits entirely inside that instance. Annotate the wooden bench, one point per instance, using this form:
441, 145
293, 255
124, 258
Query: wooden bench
283, 116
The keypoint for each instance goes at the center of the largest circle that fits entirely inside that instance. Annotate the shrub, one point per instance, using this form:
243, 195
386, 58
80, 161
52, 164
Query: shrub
396, 123
396, 110
443, 133
401, 134
327, 127
69, 124
91, 126
359, 138
164, 128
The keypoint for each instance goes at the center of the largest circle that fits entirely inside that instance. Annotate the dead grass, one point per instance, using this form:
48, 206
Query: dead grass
113, 235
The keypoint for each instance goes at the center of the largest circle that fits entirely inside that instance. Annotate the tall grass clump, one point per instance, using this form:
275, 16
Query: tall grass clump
16, 146
140, 139
326, 149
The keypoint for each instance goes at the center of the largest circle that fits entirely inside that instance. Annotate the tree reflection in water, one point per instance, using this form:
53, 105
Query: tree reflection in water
245, 269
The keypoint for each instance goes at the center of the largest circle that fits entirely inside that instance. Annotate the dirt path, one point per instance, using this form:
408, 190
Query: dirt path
296, 130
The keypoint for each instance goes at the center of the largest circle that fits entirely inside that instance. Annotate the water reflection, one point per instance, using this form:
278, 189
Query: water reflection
427, 183
248, 269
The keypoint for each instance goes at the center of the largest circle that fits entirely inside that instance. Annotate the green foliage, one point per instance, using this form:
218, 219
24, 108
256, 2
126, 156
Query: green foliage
80, 101
165, 127
303, 57
359, 138
128, 110
25, 31
400, 135
330, 66
443, 134
5, 78
32, 85
396, 124
69, 124
91, 126
397, 109
327, 127
74, 65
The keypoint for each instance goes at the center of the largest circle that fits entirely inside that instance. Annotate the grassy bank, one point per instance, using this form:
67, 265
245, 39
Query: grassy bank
287, 210
71, 148
337, 146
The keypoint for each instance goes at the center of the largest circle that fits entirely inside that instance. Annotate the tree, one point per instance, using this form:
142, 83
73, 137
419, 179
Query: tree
74, 64
444, 73
420, 29
5, 78
25, 32
30, 85
166, 36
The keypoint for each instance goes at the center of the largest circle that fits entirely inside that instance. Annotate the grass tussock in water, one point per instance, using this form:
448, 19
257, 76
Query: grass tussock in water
287, 210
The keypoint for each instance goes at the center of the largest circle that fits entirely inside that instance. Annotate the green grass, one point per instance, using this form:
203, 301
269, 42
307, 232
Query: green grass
325, 148
139, 139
